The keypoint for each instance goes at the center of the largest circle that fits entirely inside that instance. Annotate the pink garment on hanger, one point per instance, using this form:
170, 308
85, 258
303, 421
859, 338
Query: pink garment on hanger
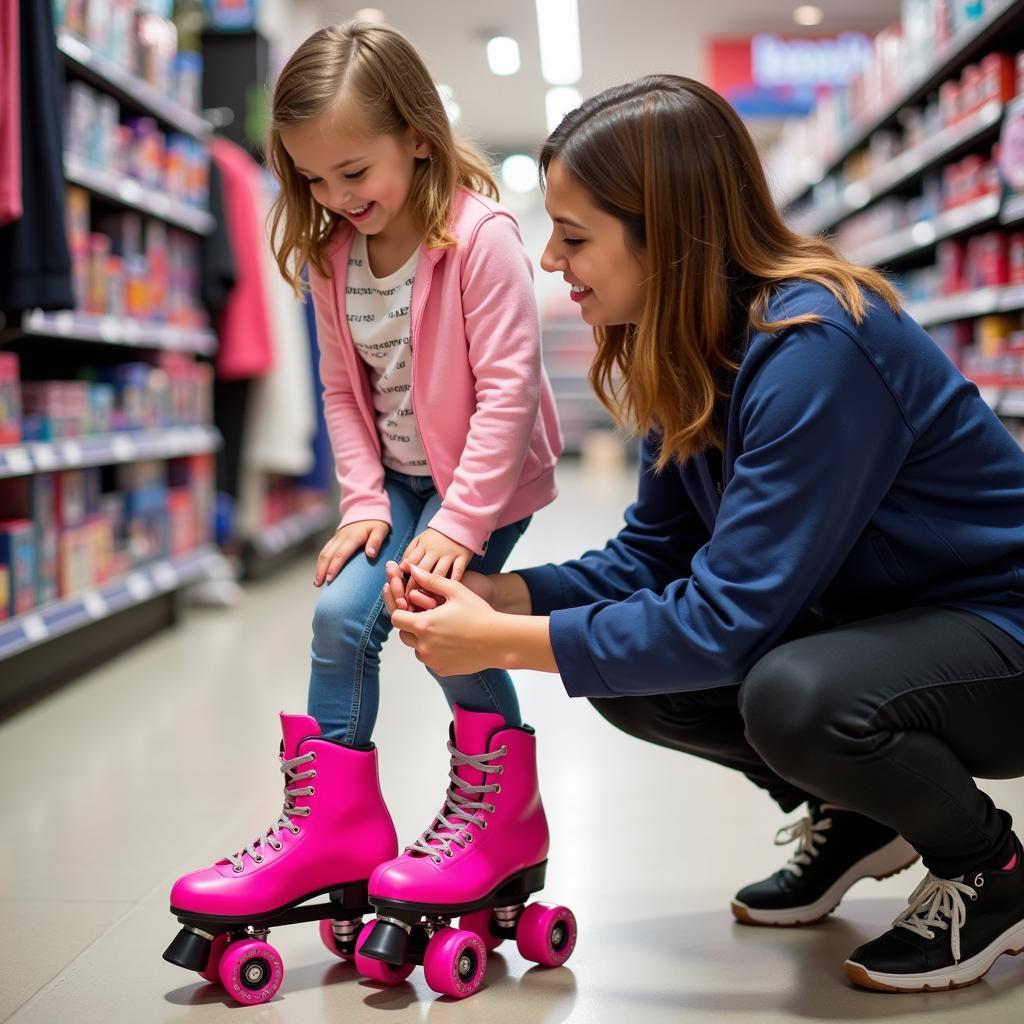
10, 114
246, 342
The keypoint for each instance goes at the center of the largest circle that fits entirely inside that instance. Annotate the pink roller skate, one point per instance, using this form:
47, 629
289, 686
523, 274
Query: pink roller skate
332, 832
480, 860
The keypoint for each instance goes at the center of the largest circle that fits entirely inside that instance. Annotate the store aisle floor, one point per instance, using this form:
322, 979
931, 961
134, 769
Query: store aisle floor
167, 759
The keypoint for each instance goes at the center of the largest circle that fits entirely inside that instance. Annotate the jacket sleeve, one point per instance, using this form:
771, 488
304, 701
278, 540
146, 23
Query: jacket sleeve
822, 439
503, 331
660, 536
355, 445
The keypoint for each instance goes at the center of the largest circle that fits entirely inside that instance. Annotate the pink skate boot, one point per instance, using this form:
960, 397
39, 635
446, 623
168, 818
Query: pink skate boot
482, 857
332, 832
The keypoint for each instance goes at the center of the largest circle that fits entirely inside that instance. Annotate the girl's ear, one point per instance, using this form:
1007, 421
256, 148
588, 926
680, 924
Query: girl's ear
422, 149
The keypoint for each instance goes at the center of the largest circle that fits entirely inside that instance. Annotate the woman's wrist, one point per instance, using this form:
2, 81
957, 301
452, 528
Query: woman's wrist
524, 641
511, 594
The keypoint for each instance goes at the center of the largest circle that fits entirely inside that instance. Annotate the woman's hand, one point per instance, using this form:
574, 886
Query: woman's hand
436, 553
455, 630
399, 595
367, 534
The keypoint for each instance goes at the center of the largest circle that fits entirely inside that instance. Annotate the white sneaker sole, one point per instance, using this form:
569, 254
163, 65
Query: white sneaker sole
967, 972
891, 859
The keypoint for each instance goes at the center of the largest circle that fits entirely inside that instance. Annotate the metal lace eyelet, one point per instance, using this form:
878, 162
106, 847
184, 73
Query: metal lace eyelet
312, 791
469, 837
277, 846
296, 830
237, 869
483, 824
497, 788
448, 853
258, 859
312, 755
501, 769
312, 774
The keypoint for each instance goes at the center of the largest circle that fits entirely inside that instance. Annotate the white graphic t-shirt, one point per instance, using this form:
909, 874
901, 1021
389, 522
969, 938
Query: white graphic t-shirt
379, 321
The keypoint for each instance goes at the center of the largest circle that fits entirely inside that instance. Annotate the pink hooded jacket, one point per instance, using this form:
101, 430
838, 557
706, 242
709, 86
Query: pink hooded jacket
482, 401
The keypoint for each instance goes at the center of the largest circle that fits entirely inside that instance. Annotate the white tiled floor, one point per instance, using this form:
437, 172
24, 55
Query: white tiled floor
167, 758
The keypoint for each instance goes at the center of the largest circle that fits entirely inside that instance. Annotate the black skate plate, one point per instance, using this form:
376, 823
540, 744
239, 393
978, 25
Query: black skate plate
347, 900
516, 888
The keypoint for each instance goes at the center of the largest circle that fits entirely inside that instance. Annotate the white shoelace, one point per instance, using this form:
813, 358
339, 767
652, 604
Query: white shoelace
448, 828
805, 833
272, 836
935, 903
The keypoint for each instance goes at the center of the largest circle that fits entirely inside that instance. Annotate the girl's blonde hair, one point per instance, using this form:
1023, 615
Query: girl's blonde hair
377, 67
675, 164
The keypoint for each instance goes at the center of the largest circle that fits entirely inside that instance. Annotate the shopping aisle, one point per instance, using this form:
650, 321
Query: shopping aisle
166, 759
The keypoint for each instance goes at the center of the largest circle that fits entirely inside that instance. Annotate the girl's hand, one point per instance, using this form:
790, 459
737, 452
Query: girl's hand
401, 597
436, 553
368, 534
456, 636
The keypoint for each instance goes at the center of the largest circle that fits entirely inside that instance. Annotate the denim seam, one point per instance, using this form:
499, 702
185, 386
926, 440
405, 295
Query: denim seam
357, 677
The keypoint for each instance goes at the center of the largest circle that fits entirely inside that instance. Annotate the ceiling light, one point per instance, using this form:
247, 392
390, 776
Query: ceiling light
808, 14
503, 55
558, 23
558, 102
372, 14
519, 173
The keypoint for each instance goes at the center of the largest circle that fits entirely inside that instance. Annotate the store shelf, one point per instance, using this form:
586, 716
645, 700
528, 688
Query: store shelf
909, 164
128, 192
925, 233
1013, 211
969, 44
106, 449
60, 617
136, 92
277, 538
983, 302
112, 330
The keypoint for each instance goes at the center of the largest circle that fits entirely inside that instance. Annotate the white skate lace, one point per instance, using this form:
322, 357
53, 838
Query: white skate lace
805, 833
936, 903
450, 828
272, 836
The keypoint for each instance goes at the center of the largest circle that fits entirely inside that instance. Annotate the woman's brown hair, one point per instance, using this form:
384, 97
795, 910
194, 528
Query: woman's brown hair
377, 67
673, 161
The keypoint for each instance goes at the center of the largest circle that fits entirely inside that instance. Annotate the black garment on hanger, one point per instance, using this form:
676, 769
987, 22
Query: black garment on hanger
35, 264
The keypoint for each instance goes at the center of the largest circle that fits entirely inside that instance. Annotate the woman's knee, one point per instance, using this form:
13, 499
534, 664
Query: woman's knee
793, 704
635, 716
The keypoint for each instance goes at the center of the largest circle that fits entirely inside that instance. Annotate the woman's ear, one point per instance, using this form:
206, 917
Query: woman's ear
422, 149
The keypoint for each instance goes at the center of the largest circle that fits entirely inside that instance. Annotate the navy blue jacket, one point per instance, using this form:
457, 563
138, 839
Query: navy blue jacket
862, 474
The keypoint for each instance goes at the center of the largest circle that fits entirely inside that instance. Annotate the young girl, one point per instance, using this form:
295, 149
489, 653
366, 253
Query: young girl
443, 426
820, 582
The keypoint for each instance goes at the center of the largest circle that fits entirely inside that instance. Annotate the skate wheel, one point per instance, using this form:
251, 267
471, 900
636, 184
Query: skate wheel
378, 970
251, 971
455, 962
546, 934
327, 935
211, 972
480, 922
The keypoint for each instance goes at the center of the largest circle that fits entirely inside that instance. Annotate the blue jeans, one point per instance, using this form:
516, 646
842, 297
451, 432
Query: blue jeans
350, 625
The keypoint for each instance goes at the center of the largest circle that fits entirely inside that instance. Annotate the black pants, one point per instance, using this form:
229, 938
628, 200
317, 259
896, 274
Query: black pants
891, 717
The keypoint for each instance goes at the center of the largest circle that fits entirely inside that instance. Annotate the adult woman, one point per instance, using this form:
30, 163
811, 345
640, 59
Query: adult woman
819, 584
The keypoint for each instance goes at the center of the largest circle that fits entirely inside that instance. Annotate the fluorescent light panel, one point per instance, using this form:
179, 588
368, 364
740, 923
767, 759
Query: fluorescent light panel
558, 24
503, 55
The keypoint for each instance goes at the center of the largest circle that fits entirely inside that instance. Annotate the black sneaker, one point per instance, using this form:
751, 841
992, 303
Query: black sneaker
836, 848
951, 933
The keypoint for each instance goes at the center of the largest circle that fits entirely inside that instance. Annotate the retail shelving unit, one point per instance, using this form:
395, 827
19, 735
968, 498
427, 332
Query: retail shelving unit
58, 638
813, 207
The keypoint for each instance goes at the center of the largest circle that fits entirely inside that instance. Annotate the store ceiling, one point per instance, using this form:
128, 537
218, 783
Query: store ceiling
621, 40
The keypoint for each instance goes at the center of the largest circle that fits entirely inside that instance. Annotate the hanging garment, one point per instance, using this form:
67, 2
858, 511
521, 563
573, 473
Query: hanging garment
35, 264
246, 346
10, 115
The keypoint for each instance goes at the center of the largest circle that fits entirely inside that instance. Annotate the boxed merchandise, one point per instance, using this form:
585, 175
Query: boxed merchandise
47, 562
70, 497
987, 261
1015, 257
182, 518
76, 560
5, 592
10, 399
102, 535
18, 553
